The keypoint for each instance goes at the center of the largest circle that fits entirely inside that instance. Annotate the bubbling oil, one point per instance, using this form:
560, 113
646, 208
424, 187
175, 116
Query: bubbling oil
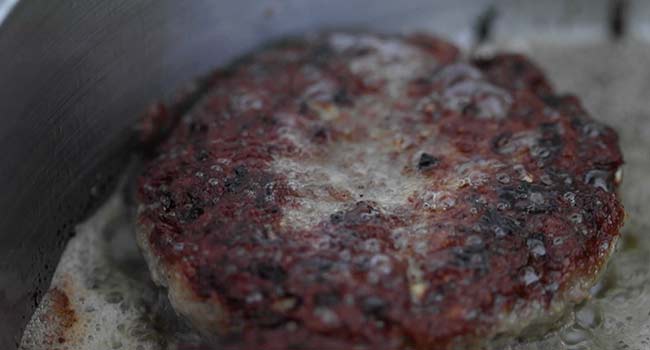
116, 306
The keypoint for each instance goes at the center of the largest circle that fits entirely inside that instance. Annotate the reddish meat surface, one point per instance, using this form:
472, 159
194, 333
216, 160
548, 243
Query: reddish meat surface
351, 190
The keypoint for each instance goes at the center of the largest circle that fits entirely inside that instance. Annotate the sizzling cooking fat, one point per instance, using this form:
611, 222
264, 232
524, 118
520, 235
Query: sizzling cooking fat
352, 189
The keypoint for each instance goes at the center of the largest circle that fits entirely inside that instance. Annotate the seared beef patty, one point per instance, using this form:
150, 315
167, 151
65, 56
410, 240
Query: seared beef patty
360, 191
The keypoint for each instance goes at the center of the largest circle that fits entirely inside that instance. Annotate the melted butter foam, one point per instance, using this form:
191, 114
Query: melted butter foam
348, 172
101, 296
92, 303
613, 318
368, 159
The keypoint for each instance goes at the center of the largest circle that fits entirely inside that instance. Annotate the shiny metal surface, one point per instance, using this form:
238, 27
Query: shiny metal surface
5, 8
75, 76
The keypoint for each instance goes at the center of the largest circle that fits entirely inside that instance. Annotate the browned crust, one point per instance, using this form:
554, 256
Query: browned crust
219, 231
207, 315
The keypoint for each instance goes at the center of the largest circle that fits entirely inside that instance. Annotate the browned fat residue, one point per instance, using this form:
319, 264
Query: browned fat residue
61, 305
60, 318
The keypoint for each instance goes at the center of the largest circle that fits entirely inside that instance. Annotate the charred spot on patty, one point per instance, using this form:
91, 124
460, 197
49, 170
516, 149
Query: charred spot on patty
427, 161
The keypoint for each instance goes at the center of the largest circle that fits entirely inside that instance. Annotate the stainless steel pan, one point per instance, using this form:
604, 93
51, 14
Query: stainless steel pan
75, 76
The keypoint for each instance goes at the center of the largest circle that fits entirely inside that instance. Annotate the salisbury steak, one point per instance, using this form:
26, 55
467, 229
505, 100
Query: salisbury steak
351, 190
